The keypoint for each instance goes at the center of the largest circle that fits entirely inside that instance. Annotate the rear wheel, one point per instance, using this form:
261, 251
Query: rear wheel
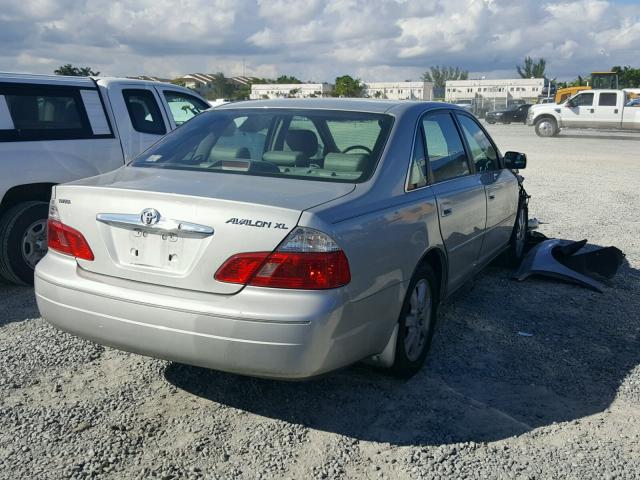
416, 323
546, 127
23, 241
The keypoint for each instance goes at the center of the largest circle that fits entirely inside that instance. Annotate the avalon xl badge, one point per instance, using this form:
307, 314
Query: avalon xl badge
150, 216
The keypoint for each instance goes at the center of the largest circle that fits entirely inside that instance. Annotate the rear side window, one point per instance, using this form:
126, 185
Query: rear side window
418, 171
44, 113
447, 158
144, 111
608, 99
483, 153
183, 106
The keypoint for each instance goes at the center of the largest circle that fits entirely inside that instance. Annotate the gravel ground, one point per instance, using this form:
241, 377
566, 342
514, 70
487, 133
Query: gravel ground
490, 403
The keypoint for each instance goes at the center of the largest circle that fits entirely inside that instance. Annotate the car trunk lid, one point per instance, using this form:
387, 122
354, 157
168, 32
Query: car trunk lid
176, 228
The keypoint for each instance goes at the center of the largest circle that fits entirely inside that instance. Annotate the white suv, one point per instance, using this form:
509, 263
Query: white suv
56, 129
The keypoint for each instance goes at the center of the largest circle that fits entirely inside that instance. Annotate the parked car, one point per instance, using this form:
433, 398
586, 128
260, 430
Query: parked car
466, 104
284, 238
515, 113
601, 109
56, 129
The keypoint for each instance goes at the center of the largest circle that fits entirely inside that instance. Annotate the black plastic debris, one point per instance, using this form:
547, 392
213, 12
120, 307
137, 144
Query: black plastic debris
570, 261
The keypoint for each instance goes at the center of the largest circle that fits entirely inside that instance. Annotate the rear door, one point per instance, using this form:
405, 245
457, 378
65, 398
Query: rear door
140, 119
459, 194
500, 185
608, 110
180, 106
579, 111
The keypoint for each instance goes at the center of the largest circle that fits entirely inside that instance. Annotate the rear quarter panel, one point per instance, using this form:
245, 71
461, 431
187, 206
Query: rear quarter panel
384, 232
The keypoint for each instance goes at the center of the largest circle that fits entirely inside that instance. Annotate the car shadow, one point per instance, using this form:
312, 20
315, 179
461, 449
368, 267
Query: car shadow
507, 357
18, 304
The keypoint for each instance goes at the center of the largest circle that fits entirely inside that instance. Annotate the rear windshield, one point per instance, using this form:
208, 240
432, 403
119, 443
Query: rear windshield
335, 146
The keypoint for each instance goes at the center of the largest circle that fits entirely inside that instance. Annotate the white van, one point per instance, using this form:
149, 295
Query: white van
56, 129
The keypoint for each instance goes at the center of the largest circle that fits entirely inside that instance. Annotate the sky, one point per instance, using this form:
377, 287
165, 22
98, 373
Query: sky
316, 40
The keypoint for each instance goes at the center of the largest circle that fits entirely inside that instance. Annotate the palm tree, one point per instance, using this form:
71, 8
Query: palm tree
532, 68
439, 75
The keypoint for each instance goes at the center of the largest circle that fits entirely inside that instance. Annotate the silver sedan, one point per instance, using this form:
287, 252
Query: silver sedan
284, 238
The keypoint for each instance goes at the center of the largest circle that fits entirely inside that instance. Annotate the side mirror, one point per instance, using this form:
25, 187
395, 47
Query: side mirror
515, 160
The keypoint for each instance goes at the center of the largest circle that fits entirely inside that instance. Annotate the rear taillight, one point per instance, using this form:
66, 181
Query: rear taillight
306, 260
67, 240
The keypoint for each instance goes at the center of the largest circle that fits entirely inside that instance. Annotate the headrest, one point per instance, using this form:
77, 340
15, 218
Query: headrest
346, 162
137, 112
285, 159
302, 141
219, 154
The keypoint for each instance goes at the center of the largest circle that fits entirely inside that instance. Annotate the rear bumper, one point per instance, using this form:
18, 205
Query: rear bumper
258, 332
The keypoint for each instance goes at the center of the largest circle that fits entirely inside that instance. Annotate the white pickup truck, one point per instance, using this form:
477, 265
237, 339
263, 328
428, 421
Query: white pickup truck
57, 129
601, 109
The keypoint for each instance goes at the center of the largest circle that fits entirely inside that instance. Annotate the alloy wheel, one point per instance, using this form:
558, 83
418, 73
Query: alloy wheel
418, 320
34, 243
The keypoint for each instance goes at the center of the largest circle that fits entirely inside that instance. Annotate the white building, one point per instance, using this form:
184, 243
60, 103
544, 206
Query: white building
505, 90
290, 90
399, 90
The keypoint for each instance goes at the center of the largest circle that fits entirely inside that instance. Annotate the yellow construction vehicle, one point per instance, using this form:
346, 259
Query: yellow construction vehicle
599, 81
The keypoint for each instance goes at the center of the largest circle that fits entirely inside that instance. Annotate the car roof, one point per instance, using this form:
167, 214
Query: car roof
87, 82
395, 107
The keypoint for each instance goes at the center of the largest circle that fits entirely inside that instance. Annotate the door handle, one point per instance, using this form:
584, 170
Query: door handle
615, 111
447, 210
591, 110
492, 196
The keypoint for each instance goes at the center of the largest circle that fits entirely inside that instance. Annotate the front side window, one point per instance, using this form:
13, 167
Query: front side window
184, 106
325, 145
447, 158
144, 111
582, 100
483, 153
608, 99
41, 113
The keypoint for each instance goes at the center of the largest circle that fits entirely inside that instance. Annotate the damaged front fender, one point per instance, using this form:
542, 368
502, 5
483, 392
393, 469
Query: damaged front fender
570, 261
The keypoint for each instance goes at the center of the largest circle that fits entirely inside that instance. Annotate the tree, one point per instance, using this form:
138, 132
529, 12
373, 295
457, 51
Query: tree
628, 77
532, 68
70, 70
287, 79
347, 86
221, 88
439, 75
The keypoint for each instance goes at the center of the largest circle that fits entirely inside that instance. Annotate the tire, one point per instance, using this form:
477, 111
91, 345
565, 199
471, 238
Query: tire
23, 241
411, 350
490, 122
546, 127
518, 239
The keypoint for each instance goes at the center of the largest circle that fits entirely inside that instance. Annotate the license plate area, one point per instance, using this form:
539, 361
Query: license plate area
155, 250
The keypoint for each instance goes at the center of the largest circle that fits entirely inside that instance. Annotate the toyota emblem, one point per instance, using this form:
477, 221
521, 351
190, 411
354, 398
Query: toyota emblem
150, 216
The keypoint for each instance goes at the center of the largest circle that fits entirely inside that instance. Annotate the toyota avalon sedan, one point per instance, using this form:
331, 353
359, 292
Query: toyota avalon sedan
284, 238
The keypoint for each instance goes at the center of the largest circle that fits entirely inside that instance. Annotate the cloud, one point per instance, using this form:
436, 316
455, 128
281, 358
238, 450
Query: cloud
316, 39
